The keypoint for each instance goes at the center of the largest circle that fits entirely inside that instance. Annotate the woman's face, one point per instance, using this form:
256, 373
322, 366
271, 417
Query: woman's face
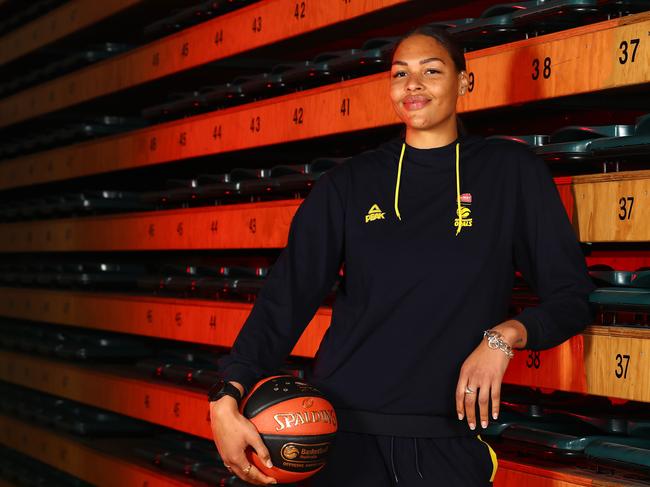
424, 83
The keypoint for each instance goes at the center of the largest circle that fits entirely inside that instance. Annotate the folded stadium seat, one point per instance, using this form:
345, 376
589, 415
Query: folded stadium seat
621, 278
28, 276
184, 18
181, 453
27, 338
88, 421
47, 207
618, 8
181, 280
252, 87
251, 182
32, 208
329, 67
48, 275
178, 364
607, 420
509, 418
544, 16
573, 143
10, 211
494, 26
97, 127
292, 180
295, 76
102, 201
102, 346
530, 141
621, 298
12, 149
32, 142
220, 96
156, 198
180, 104
626, 146
612, 452
11, 273
78, 60
371, 58
338, 65
49, 338
375, 53
186, 464
565, 439
215, 187
25, 470
101, 275
152, 281
180, 192
30, 12
234, 282
220, 476
295, 180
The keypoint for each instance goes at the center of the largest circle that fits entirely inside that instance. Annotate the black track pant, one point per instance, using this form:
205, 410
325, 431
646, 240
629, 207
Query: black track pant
364, 460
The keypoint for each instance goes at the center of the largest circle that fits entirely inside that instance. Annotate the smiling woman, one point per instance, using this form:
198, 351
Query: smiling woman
428, 74
430, 226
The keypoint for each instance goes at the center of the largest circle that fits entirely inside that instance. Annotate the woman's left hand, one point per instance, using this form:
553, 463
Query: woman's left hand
483, 372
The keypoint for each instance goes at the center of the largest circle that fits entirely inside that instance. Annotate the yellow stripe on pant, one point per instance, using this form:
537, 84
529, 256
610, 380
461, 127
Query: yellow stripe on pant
493, 456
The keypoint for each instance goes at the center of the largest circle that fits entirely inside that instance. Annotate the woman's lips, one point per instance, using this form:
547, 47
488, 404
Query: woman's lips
414, 103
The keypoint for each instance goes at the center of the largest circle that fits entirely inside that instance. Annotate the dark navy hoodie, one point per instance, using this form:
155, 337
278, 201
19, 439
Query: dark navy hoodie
417, 292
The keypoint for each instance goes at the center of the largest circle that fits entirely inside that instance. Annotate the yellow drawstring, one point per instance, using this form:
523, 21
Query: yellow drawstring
399, 174
460, 214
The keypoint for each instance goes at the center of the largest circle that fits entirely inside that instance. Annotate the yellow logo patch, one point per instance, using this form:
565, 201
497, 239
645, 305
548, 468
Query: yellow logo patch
464, 214
374, 213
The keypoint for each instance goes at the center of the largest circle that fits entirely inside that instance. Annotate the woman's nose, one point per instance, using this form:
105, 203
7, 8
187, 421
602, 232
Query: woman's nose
414, 82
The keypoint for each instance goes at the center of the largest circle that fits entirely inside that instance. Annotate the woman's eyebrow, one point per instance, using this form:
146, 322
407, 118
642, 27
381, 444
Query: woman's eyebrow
422, 61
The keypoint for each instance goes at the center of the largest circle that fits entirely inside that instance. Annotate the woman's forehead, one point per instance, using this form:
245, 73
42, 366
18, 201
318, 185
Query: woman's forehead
418, 48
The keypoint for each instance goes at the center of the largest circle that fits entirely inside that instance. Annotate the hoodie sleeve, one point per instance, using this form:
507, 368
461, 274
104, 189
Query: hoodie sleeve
301, 277
549, 257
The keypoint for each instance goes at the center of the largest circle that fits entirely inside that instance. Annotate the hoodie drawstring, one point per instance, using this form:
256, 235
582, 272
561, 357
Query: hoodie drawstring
392, 460
417, 465
399, 174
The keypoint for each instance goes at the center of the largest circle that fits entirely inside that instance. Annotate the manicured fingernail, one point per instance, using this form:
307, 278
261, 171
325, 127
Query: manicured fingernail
472, 426
460, 416
274, 481
484, 424
269, 463
495, 415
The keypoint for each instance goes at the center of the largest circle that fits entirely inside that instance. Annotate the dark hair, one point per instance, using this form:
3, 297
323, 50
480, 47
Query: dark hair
455, 50
441, 35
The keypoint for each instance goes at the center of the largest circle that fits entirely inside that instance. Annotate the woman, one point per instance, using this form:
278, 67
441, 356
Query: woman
430, 226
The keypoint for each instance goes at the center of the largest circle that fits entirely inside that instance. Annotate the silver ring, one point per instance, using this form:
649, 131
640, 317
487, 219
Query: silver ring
468, 390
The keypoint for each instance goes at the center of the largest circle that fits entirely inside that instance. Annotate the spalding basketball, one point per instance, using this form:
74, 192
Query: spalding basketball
297, 424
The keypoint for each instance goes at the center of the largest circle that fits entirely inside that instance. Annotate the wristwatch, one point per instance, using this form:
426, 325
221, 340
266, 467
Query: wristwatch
222, 388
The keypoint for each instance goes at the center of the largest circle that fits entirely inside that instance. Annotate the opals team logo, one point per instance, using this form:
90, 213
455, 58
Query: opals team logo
463, 213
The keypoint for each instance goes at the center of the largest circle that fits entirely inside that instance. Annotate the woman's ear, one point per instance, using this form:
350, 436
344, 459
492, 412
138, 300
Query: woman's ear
463, 83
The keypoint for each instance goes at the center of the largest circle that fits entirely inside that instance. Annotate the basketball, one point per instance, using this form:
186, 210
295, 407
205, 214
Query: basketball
297, 424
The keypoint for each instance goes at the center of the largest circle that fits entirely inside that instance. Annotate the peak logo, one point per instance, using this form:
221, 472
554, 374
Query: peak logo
374, 213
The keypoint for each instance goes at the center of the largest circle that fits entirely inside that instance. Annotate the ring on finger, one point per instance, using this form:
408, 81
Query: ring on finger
248, 469
469, 390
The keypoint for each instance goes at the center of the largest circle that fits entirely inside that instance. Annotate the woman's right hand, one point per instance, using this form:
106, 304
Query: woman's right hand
233, 433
